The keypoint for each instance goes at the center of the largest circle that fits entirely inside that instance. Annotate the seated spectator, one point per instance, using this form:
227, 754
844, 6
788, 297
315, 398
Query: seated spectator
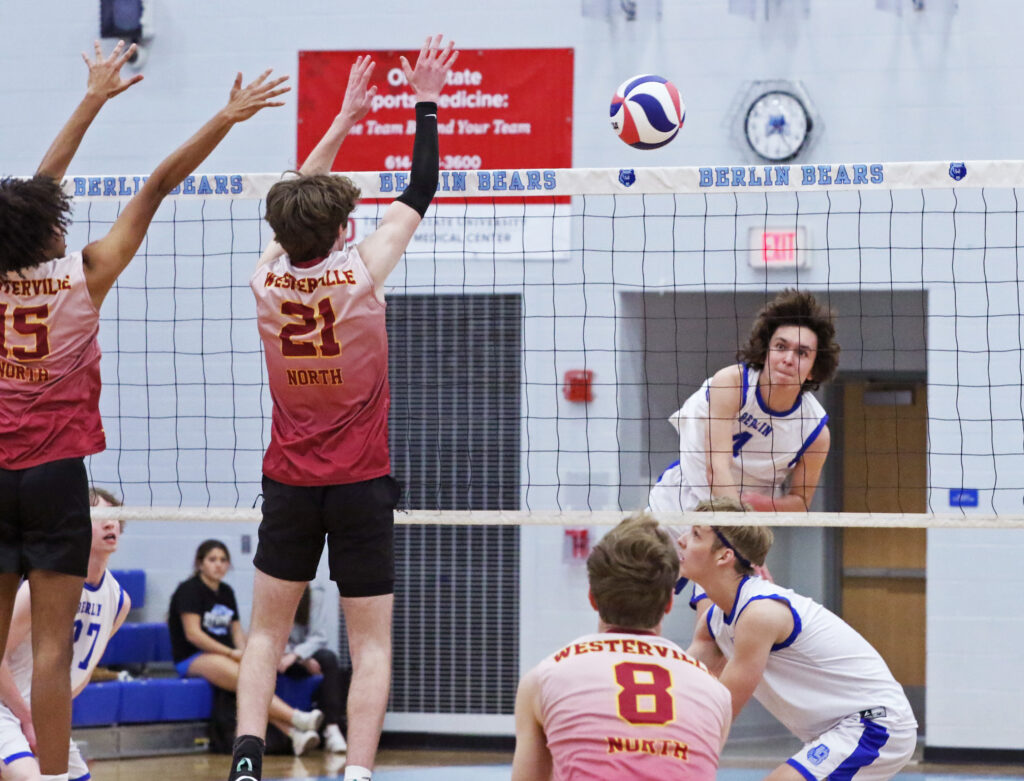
207, 640
307, 654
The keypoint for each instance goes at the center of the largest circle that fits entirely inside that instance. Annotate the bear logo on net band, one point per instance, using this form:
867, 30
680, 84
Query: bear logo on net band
627, 176
957, 171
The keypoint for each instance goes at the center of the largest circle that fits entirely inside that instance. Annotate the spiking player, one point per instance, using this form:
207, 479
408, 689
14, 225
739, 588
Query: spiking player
50, 376
320, 309
103, 607
808, 667
625, 702
753, 432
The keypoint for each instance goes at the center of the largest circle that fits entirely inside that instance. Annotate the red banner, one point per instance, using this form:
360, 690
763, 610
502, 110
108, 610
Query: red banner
501, 108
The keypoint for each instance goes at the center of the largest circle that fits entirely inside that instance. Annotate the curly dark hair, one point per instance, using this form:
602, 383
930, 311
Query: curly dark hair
794, 307
306, 213
30, 210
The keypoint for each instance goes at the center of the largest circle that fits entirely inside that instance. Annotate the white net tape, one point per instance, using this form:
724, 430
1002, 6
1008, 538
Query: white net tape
600, 518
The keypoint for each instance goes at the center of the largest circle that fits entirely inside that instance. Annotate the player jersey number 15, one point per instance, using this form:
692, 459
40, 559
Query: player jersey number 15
306, 321
29, 321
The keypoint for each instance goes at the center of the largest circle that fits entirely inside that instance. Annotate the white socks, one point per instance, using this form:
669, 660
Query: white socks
356, 773
63, 777
334, 741
307, 721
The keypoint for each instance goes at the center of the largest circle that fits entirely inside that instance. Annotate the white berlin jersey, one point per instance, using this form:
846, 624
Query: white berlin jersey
94, 625
766, 444
823, 672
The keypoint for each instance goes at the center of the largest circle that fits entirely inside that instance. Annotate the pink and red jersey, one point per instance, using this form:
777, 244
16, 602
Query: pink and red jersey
618, 705
49, 366
326, 346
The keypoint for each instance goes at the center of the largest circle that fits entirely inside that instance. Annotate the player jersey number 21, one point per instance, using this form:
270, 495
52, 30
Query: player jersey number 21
308, 320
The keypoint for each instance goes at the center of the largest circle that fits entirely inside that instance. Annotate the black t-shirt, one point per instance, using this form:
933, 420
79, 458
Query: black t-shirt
216, 610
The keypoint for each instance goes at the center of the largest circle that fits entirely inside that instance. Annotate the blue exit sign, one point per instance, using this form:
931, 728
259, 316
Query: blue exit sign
963, 497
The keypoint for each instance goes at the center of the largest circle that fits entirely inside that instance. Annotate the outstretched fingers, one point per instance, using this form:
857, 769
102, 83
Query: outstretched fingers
270, 89
427, 78
118, 48
119, 58
105, 71
260, 79
362, 67
451, 56
259, 94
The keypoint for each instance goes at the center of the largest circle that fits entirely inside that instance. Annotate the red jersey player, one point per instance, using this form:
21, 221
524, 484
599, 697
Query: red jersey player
326, 473
624, 702
50, 378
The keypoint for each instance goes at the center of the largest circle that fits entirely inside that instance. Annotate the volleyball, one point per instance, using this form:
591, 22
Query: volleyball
647, 111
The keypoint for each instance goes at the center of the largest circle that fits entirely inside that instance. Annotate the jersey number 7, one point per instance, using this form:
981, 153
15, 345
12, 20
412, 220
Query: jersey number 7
308, 317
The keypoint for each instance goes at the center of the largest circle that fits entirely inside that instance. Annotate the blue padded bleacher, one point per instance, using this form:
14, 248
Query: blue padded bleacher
137, 702
134, 582
165, 699
140, 643
163, 645
185, 699
160, 699
97, 705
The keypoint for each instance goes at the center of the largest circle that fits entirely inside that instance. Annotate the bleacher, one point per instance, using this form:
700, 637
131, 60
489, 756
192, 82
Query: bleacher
156, 712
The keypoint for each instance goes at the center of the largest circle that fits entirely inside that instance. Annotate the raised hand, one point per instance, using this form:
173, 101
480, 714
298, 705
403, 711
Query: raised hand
432, 67
260, 94
358, 97
105, 72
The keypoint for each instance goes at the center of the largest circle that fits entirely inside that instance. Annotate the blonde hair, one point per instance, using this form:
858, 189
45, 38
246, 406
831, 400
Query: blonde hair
632, 572
750, 543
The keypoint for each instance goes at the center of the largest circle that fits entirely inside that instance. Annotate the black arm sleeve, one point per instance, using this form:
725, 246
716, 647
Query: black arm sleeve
424, 175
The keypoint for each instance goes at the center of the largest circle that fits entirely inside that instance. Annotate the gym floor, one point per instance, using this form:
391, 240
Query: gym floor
743, 761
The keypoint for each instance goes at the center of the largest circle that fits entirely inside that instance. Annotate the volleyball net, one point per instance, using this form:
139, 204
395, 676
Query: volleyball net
544, 324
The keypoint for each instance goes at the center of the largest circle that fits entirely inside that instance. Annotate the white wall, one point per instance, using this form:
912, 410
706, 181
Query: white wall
920, 86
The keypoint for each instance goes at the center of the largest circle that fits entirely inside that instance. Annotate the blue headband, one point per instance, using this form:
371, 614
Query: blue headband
743, 560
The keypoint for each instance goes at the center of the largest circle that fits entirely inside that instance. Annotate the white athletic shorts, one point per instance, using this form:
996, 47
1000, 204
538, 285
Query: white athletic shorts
669, 495
857, 748
14, 746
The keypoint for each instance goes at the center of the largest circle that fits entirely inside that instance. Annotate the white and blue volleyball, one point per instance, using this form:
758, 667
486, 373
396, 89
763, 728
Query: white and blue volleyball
647, 111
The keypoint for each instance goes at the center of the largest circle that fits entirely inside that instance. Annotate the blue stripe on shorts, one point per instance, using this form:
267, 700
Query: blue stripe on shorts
871, 741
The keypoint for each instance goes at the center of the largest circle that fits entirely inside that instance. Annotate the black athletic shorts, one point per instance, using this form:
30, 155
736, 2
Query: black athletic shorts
44, 518
358, 522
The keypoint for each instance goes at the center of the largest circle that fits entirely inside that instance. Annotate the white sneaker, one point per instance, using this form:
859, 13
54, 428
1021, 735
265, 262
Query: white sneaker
305, 721
334, 741
304, 740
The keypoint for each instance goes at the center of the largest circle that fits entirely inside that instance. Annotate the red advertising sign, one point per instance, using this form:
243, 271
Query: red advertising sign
501, 108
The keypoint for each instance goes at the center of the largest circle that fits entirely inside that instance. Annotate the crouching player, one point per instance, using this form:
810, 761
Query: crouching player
807, 666
624, 702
